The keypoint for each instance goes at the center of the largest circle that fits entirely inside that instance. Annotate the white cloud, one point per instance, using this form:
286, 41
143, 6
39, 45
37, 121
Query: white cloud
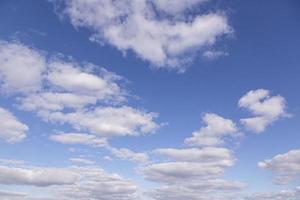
82, 161
108, 121
127, 154
55, 101
21, 68
79, 138
286, 167
71, 92
176, 172
69, 183
136, 25
72, 77
11, 129
211, 155
41, 177
265, 107
213, 133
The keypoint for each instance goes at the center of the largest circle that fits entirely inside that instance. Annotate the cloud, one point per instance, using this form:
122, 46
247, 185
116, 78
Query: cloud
92, 140
82, 161
21, 68
11, 129
8, 195
72, 77
175, 7
83, 95
79, 138
281, 195
141, 26
202, 190
211, 55
189, 165
265, 107
286, 167
213, 133
171, 172
108, 121
127, 154
70, 182
40, 177
206, 155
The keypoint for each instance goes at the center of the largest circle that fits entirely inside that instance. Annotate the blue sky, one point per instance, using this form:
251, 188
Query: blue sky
193, 100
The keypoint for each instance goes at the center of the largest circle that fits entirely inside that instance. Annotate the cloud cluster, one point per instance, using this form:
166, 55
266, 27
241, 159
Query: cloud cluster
286, 167
69, 183
85, 96
11, 129
265, 108
161, 32
196, 173
213, 133
95, 141
41, 177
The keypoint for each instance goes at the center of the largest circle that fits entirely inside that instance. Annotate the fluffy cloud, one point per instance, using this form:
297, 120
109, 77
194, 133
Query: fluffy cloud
265, 107
189, 165
70, 182
108, 121
37, 176
171, 172
21, 68
99, 185
207, 155
213, 133
141, 26
127, 154
79, 138
285, 166
11, 129
84, 95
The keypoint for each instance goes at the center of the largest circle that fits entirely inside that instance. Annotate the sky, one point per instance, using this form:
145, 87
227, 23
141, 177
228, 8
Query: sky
149, 100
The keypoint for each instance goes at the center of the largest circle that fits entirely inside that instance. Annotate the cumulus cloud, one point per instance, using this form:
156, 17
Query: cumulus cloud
11, 129
189, 165
41, 177
127, 154
144, 28
265, 108
79, 138
211, 155
85, 96
21, 68
213, 133
70, 182
286, 167
108, 121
